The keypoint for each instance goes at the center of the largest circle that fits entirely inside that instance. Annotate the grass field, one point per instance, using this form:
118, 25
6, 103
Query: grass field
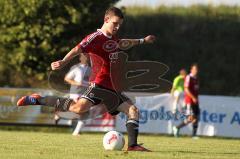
47, 145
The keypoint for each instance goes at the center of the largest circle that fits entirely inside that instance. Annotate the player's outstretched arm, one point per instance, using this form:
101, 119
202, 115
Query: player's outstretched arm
60, 63
125, 44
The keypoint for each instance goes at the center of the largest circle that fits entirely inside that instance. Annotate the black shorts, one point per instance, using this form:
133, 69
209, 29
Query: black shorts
112, 99
193, 110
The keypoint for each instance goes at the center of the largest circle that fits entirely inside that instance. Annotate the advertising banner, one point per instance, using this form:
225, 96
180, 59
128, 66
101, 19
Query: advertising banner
220, 116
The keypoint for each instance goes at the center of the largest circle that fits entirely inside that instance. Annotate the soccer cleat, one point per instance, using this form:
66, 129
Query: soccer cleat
138, 148
195, 137
56, 119
175, 131
28, 100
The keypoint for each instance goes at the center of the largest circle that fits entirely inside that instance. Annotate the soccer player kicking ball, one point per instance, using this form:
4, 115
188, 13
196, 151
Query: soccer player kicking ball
102, 44
191, 89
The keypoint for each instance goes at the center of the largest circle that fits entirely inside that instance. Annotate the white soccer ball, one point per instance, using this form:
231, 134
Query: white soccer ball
113, 140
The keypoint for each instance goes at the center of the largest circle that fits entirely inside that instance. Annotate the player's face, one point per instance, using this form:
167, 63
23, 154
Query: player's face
194, 70
113, 24
183, 73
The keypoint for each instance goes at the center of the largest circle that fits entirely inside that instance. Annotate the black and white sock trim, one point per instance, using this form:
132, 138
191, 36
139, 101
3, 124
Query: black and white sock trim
133, 121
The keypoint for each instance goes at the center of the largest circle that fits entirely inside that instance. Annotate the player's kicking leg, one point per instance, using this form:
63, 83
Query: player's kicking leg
60, 104
132, 125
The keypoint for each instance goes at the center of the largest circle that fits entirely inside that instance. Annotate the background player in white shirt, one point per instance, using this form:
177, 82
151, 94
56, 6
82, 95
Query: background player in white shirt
77, 77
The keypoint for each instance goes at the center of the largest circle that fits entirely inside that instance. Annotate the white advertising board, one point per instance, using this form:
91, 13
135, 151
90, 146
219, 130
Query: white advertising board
220, 116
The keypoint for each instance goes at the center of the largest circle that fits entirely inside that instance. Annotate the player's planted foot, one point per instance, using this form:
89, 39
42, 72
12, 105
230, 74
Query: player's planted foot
56, 119
175, 131
195, 137
138, 148
29, 100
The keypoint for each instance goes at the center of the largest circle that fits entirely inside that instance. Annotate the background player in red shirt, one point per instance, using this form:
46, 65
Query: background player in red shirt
101, 46
191, 90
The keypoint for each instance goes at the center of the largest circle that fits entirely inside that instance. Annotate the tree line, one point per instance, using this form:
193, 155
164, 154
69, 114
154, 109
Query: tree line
35, 33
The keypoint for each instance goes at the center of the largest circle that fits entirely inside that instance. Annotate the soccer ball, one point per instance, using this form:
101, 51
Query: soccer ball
113, 140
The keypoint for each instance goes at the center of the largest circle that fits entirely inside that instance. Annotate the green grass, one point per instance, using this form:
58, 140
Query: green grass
47, 145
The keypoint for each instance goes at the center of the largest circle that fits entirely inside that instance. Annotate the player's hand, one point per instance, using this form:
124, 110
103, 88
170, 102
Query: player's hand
149, 39
194, 100
57, 65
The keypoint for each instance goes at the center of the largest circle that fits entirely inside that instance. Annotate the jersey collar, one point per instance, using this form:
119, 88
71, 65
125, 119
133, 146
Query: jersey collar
99, 30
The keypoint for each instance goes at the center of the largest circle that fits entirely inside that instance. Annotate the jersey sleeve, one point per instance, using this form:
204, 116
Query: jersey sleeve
187, 81
84, 45
88, 43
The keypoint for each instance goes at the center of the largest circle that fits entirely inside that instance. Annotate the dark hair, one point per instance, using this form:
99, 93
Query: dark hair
194, 65
182, 71
114, 11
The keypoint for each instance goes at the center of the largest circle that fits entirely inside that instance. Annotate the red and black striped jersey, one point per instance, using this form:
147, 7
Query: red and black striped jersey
100, 48
193, 85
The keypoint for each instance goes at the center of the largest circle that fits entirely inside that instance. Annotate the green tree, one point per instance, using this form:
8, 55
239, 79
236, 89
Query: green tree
36, 32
